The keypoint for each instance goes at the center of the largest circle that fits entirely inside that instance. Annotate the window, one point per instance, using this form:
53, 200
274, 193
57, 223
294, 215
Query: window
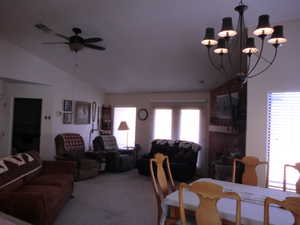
163, 124
127, 114
177, 123
189, 125
283, 143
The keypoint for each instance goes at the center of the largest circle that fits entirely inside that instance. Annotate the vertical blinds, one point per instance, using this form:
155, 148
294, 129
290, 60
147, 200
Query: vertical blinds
283, 138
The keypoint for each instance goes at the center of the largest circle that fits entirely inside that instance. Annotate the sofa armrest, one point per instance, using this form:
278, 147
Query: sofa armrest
61, 167
30, 207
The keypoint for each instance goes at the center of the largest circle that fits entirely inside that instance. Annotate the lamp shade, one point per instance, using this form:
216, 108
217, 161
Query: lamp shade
227, 28
209, 38
263, 27
250, 46
277, 37
123, 126
221, 47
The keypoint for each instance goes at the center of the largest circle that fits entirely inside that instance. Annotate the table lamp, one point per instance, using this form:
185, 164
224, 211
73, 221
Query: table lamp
123, 126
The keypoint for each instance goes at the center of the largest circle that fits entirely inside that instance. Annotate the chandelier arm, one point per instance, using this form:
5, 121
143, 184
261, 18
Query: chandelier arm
229, 55
259, 57
211, 60
223, 67
249, 63
268, 66
263, 58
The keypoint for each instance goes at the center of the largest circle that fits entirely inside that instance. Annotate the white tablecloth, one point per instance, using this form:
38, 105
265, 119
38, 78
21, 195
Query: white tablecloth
252, 208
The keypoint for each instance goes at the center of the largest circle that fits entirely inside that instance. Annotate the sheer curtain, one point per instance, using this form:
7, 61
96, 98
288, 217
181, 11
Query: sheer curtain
127, 114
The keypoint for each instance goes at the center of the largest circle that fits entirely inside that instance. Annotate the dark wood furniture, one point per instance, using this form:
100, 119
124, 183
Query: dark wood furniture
106, 120
227, 124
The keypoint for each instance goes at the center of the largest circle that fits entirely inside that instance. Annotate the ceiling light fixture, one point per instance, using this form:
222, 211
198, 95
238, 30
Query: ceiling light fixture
224, 46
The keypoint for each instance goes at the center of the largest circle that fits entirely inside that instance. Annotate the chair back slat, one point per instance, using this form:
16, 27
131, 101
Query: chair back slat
250, 176
162, 182
296, 167
207, 211
291, 204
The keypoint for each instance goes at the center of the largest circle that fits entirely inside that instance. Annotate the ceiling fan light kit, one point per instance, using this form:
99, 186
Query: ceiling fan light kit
223, 47
75, 42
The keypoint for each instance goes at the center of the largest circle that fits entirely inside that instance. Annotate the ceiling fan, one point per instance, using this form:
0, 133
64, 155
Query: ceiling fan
75, 42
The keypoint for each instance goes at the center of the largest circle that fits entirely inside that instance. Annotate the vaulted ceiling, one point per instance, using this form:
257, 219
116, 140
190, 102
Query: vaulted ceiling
152, 45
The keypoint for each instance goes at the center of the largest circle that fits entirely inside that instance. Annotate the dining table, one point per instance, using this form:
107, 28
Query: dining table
252, 203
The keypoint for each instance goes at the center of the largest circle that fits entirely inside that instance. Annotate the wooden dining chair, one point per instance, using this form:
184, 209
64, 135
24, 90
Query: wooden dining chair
291, 204
296, 167
207, 212
163, 183
249, 176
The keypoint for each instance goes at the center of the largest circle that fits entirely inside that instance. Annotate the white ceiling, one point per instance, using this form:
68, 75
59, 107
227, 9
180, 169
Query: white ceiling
152, 45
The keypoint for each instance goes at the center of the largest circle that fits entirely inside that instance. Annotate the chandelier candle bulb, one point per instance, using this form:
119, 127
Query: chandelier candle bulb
250, 47
227, 28
277, 37
209, 38
263, 28
221, 47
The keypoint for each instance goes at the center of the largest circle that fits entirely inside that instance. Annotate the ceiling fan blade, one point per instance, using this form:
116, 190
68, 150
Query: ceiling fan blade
91, 40
54, 43
62, 36
43, 28
95, 47
48, 30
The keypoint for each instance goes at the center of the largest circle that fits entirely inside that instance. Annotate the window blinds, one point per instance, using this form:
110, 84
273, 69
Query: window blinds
283, 138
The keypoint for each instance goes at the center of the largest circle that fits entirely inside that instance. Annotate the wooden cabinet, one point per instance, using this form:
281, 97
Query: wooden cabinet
227, 125
106, 120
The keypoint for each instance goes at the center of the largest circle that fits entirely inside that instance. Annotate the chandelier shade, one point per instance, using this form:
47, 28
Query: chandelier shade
250, 47
227, 28
277, 36
237, 42
209, 38
221, 47
263, 27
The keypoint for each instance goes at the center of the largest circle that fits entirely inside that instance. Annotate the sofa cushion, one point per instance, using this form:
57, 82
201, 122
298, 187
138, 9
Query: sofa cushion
17, 167
61, 180
52, 194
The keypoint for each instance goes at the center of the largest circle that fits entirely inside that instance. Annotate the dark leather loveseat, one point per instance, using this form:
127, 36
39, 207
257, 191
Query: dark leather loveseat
182, 156
33, 190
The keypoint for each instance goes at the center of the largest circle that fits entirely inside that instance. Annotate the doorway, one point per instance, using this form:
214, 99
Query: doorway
26, 125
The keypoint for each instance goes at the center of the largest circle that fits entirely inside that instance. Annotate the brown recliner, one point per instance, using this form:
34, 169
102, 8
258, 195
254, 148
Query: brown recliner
70, 146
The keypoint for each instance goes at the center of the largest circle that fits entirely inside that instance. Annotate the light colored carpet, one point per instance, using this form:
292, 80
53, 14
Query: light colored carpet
111, 199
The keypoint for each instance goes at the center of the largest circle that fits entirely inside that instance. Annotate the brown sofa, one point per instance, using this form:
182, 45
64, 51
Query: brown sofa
34, 190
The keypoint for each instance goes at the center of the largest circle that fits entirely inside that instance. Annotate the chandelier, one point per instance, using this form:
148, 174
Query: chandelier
237, 42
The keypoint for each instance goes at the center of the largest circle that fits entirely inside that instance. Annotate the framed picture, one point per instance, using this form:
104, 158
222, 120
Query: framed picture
67, 107
226, 107
82, 112
67, 118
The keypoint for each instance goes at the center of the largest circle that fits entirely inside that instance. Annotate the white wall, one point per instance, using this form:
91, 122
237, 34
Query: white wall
17, 64
283, 76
